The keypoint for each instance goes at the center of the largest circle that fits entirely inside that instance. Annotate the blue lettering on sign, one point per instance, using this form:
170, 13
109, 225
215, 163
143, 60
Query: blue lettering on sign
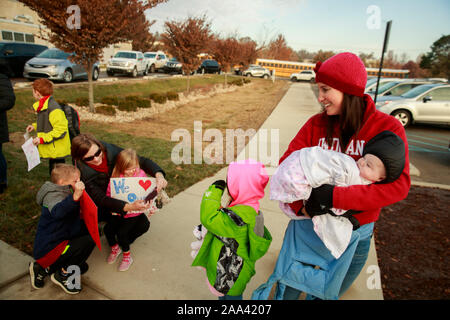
132, 197
120, 186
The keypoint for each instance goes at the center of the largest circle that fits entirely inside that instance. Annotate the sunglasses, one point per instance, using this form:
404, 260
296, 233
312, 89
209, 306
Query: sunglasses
99, 151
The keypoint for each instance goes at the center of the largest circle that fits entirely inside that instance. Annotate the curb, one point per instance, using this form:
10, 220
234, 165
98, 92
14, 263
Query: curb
430, 185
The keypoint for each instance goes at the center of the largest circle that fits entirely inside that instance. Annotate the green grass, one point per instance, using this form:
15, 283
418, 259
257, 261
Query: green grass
19, 212
22, 114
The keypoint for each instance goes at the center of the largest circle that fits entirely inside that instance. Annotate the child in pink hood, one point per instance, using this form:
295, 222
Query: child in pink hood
236, 235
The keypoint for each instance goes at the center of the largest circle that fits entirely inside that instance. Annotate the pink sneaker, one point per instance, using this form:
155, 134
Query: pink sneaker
126, 262
115, 251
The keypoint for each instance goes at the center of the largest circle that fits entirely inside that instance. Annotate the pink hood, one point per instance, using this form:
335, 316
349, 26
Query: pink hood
246, 181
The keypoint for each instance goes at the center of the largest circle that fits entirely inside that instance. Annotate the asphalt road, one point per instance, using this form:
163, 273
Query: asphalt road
429, 152
102, 75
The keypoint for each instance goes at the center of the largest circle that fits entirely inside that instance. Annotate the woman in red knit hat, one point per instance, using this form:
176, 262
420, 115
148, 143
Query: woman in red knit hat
349, 119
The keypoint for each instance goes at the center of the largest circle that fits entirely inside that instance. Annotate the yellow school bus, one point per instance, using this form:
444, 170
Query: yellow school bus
286, 68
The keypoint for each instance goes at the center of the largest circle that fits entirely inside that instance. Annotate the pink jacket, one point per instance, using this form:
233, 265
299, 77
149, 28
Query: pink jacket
141, 173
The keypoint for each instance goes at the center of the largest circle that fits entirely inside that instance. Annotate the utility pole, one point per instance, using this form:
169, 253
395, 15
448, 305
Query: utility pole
385, 45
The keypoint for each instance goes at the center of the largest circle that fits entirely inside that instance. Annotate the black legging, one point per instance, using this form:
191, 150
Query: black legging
78, 252
124, 231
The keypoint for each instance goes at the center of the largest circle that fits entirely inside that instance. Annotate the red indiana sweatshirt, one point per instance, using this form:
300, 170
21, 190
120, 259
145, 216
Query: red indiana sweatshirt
367, 198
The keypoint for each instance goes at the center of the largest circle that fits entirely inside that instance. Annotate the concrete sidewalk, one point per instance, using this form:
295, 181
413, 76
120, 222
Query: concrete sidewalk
161, 268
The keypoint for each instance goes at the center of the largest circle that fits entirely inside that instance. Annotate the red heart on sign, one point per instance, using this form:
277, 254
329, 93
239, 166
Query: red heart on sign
145, 184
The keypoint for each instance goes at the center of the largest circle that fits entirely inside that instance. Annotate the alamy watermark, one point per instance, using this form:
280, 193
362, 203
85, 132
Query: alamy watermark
374, 280
374, 20
74, 20
74, 280
263, 145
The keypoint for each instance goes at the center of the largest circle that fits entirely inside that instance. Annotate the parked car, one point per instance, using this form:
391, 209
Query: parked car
173, 66
156, 60
308, 75
397, 88
127, 62
425, 103
371, 84
209, 66
257, 71
238, 68
55, 64
14, 55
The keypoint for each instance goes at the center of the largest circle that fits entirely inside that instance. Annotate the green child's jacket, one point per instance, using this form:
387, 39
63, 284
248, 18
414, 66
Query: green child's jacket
231, 246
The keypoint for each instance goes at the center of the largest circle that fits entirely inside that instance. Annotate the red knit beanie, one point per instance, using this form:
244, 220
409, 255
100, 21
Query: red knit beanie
344, 72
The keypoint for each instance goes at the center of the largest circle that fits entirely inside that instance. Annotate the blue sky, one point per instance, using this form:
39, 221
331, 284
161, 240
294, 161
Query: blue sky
328, 24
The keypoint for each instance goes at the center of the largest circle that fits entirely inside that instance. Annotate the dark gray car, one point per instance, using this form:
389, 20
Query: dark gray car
13, 56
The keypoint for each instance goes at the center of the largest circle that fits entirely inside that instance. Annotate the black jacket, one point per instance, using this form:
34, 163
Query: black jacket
96, 182
7, 100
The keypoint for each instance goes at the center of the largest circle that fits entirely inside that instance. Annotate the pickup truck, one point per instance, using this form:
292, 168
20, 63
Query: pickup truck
155, 60
129, 62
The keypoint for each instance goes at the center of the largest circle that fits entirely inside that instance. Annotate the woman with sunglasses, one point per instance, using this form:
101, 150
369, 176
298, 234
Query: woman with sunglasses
96, 161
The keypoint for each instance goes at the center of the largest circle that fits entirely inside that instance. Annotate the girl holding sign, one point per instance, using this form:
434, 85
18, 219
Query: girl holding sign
123, 230
96, 161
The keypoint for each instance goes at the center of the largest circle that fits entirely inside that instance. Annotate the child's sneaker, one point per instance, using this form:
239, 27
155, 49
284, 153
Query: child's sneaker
126, 262
115, 252
61, 279
37, 275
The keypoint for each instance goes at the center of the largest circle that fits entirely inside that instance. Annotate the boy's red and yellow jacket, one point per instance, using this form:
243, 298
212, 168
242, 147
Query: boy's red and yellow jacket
367, 198
52, 128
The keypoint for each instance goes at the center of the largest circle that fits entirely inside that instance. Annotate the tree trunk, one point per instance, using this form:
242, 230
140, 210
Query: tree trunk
188, 82
91, 87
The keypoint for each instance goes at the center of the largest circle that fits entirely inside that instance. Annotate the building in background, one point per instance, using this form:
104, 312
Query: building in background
21, 24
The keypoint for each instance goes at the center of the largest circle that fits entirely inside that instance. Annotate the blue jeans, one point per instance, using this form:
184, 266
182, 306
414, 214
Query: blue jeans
227, 297
358, 262
3, 167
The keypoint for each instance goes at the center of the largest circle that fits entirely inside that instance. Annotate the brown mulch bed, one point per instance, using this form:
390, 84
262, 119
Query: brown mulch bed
412, 243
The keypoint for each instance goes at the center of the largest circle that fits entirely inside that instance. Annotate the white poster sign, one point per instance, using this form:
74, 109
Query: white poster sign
31, 153
132, 189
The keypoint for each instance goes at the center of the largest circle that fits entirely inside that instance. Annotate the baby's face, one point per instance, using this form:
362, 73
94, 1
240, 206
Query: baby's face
371, 168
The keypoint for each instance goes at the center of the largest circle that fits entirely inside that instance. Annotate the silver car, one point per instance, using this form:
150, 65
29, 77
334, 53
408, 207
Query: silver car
371, 84
54, 64
429, 103
256, 71
397, 88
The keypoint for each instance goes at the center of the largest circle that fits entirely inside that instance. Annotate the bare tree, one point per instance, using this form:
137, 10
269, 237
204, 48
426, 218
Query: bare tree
89, 26
304, 55
322, 55
279, 50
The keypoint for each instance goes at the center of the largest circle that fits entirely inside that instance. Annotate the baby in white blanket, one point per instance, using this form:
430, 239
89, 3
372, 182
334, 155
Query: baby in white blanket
312, 167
